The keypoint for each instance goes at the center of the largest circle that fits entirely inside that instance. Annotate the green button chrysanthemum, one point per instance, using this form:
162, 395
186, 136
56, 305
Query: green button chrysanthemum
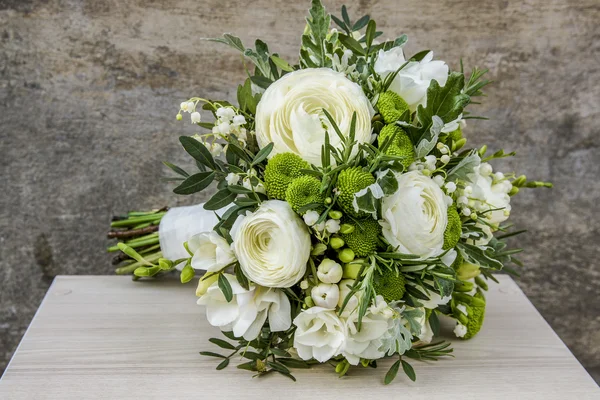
453, 229
390, 285
391, 106
476, 317
401, 144
349, 182
281, 170
364, 238
304, 191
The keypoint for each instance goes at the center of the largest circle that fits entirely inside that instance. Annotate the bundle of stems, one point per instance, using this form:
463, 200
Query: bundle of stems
138, 230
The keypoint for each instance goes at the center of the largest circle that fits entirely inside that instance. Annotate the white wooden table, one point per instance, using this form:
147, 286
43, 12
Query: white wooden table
110, 338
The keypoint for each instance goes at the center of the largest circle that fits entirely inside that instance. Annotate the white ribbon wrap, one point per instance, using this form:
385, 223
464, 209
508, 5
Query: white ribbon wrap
181, 223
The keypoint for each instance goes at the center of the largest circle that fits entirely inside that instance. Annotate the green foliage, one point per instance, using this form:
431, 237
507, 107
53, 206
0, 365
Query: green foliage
453, 229
303, 191
364, 238
400, 144
392, 107
390, 284
313, 52
350, 181
281, 170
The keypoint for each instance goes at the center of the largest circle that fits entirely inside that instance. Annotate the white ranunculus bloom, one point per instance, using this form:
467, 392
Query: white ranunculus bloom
320, 334
211, 252
366, 342
491, 195
290, 114
415, 216
412, 81
272, 245
247, 312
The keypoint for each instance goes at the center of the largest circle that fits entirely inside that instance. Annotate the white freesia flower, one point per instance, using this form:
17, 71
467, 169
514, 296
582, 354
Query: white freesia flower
415, 216
367, 342
247, 312
329, 271
412, 81
325, 295
491, 195
272, 245
290, 114
211, 252
320, 334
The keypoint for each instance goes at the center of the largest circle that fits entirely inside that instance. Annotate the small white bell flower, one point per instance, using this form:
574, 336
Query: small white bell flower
332, 225
195, 117
311, 217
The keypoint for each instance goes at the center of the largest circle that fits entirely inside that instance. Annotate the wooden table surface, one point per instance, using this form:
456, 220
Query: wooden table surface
103, 337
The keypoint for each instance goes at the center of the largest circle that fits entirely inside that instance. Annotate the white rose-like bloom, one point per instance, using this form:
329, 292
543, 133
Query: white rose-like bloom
272, 245
211, 252
320, 334
415, 216
290, 115
412, 81
247, 312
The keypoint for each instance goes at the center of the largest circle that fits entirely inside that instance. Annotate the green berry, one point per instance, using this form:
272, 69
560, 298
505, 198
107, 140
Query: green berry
346, 255
453, 229
349, 182
281, 170
336, 243
390, 285
303, 191
391, 106
364, 237
401, 145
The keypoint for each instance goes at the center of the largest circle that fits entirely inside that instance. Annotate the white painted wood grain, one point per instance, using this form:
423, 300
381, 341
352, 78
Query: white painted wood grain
111, 338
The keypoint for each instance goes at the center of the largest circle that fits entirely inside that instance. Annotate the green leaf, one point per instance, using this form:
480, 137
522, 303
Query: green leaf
222, 343
249, 366
361, 23
352, 44
195, 183
223, 364
261, 81
230, 40
464, 167
241, 278
388, 183
445, 286
370, 34
282, 64
262, 154
197, 150
176, 169
420, 55
409, 371
211, 354
246, 202
392, 372
225, 287
345, 16
434, 322
220, 199
238, 189
294, 363
446, 102
476, 255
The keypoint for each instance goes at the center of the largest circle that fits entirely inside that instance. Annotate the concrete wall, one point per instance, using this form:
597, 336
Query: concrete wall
89, 91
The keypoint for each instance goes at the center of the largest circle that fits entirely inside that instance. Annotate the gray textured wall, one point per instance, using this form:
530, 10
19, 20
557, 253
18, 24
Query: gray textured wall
89, 92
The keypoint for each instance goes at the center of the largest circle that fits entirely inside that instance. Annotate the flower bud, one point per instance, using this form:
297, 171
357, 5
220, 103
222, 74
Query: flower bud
309, 302
318, 249
467, 271
346, 229
346, 255
325, 295
513, 191
328, 200
351, 270
482, 150
336, 243
335, 214
179, 117
204, 283
459, 144
187, 274
329, 271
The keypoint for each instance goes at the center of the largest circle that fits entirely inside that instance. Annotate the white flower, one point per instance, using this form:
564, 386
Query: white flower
332, 225
491, 195
224, 128
247, 312
211, 252
190, 106
426, 334
450, 187
345, 289
183, 106
435, 299
239, 120
272, 244
290, 114
366, 342
225, 113
215, 149
329, 271
413, 80
258, 188
232, 178
460, 330
415, 216
320, 334
195, 117
311, 217
325, 295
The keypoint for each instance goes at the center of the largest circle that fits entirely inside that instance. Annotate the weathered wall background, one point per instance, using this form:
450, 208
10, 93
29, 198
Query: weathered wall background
89, 92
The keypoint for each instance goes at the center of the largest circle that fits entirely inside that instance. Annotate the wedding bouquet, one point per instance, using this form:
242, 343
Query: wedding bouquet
349, 216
